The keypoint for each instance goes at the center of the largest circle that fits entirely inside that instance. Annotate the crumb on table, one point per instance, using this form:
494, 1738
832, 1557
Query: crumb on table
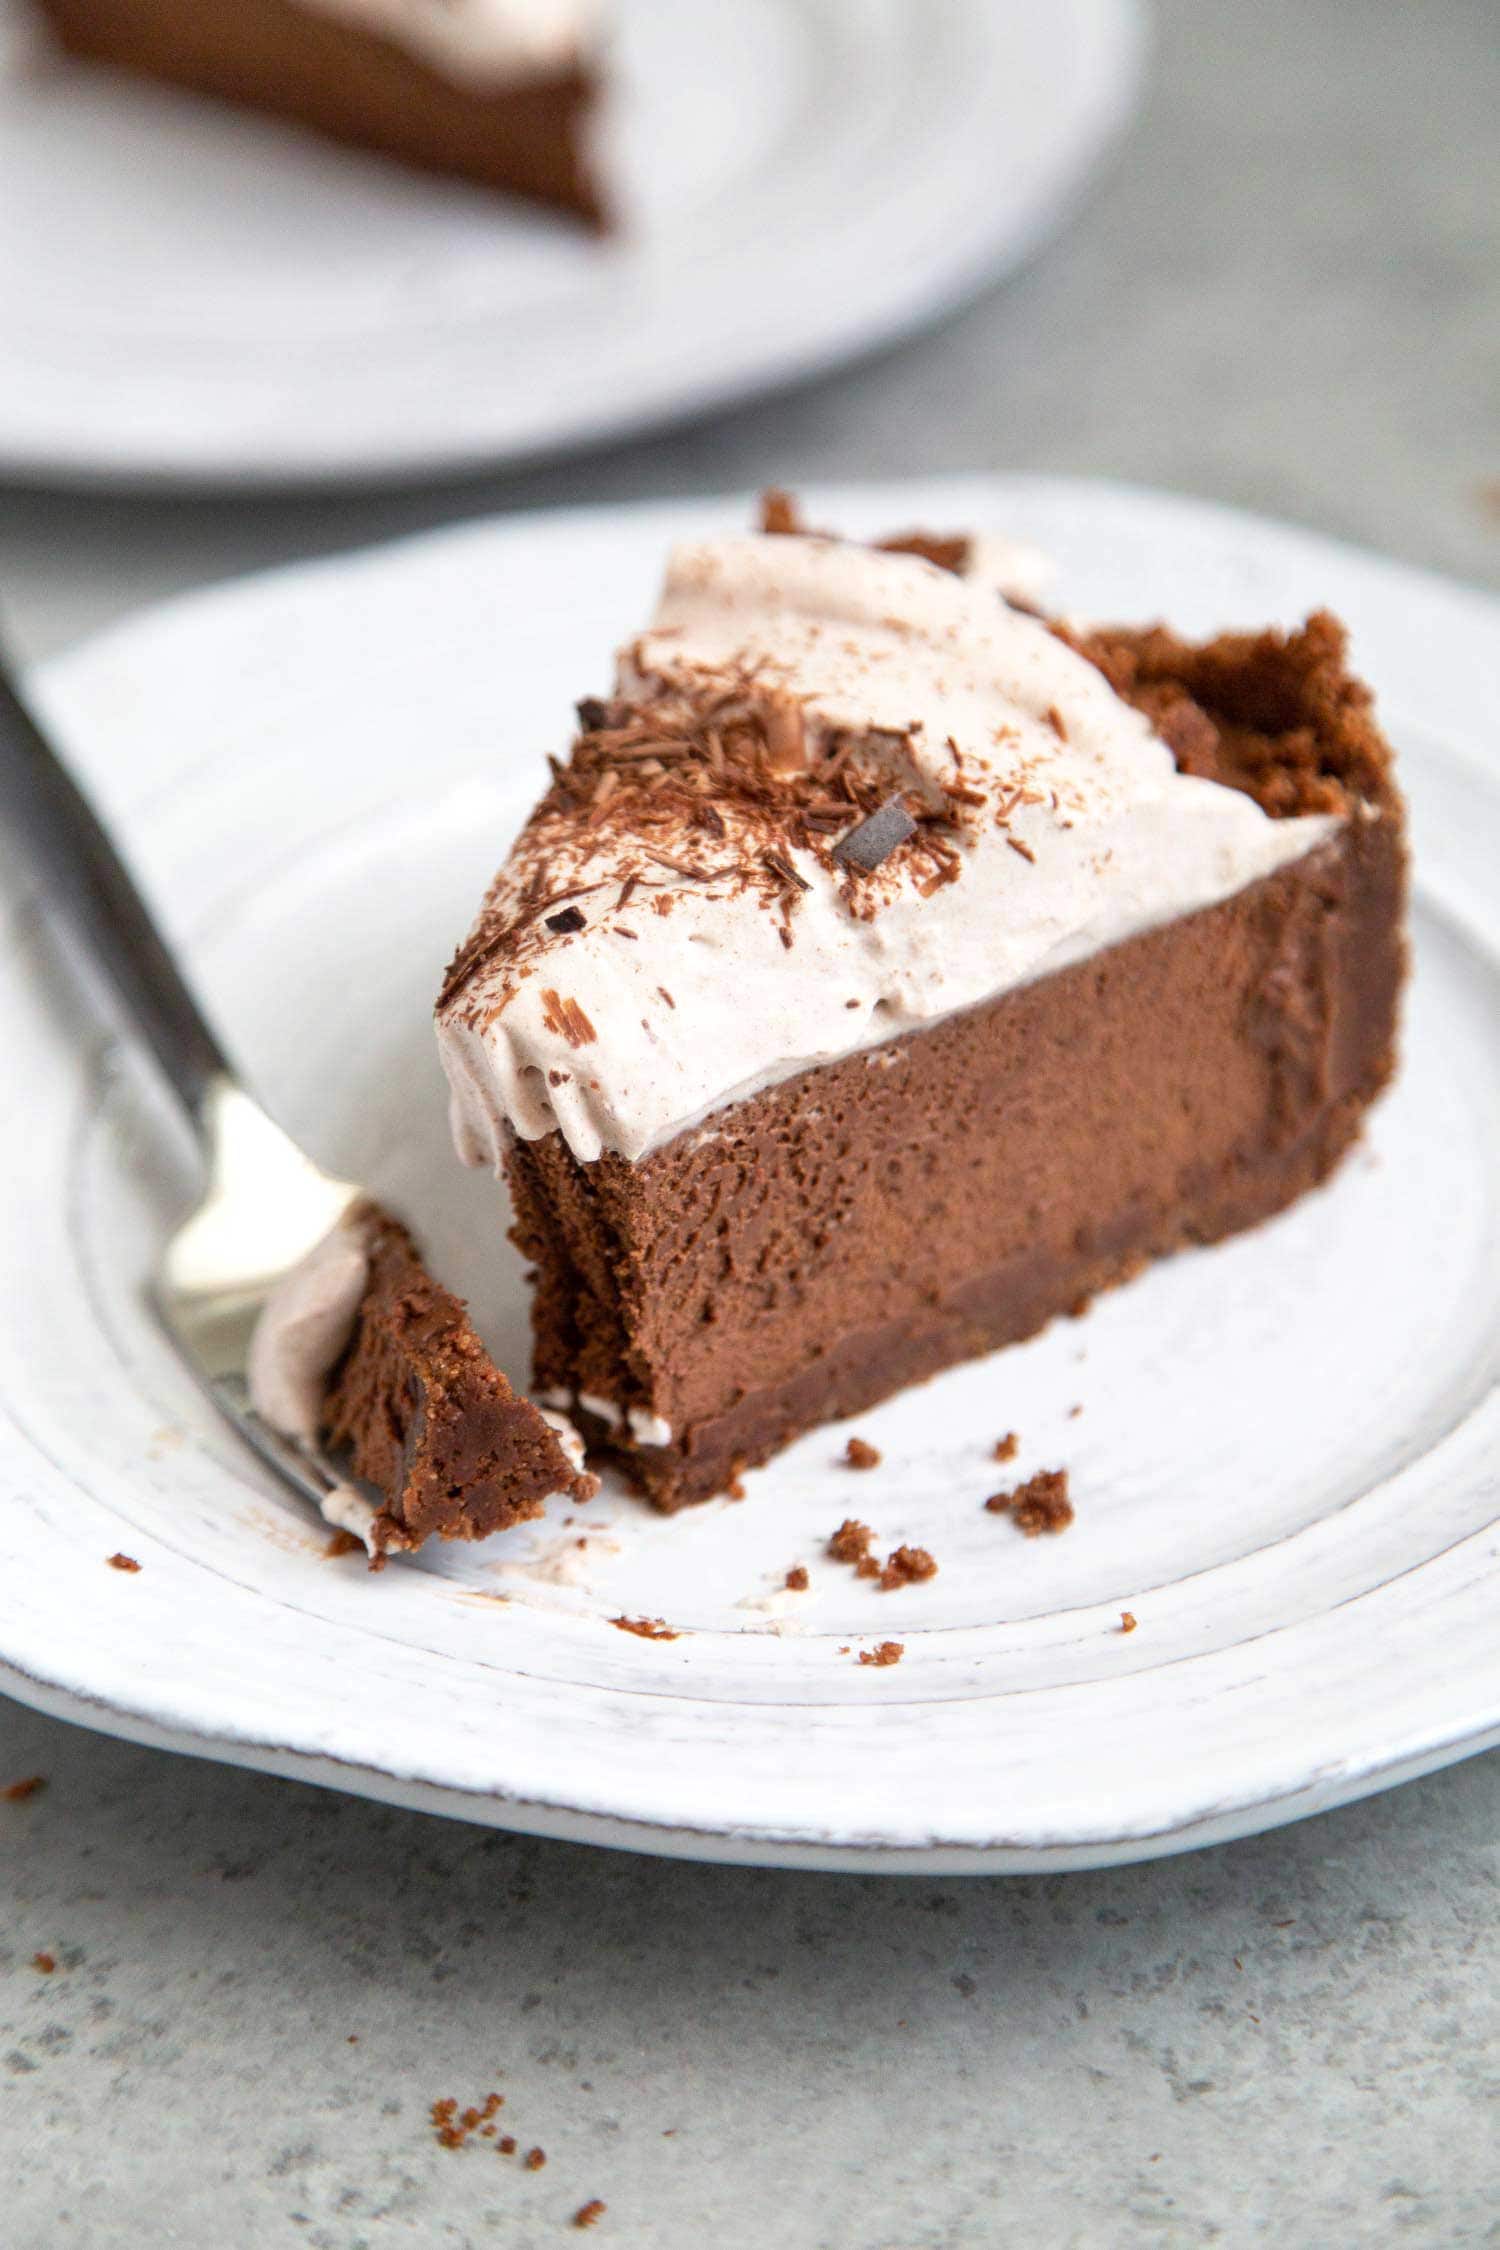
452, 2130
797, 1579
1008, 1447
589, 2214
858, 1454
883, 1653
1128, 1621
123, 1562
16, 1792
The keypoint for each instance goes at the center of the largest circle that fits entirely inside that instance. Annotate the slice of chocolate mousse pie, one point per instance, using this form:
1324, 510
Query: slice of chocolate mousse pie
498, 92
886, 970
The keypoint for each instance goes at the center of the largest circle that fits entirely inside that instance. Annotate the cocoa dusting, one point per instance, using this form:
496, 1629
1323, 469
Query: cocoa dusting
1040, 1504
859, 1455
123, 1562
645, 1628
883, 1653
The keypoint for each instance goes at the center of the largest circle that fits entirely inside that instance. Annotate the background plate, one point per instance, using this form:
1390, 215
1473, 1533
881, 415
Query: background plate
1285, 1462
189, 293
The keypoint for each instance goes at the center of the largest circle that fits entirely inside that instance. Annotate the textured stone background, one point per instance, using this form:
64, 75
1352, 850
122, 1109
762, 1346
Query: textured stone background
1286, 294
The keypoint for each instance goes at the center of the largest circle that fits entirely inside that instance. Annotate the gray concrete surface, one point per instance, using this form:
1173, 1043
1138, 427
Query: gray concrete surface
1292, 2040
1286, 294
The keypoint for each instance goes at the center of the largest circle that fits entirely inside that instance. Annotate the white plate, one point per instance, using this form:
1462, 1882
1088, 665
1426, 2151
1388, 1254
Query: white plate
189, 293
1285, 1463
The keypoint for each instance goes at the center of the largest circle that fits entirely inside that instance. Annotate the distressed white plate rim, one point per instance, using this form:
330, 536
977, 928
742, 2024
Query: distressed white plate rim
1287, 1463
192, 295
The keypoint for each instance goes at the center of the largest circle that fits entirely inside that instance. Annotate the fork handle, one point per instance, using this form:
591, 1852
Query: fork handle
87, 885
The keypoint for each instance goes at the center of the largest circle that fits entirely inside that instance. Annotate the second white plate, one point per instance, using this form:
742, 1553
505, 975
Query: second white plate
1286, 1461
192, 294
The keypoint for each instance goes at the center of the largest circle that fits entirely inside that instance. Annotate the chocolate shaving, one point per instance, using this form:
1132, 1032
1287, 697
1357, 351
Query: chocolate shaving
951, 554
782, 868
566, 1019
567, 922
885, 830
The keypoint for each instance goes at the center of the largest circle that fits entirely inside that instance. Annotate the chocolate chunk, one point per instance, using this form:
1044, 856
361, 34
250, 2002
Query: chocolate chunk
567, 921
877, 837
592, 714
781, 867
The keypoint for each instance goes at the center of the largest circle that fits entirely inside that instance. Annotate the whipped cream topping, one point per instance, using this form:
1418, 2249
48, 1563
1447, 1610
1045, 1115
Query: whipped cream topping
706, 947
481, 42
303, 1328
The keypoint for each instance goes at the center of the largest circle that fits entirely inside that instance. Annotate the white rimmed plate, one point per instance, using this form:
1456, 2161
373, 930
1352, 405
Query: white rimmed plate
1285, 1463
197, 295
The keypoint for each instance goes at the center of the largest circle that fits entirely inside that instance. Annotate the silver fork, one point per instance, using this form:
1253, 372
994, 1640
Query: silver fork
265, 1204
